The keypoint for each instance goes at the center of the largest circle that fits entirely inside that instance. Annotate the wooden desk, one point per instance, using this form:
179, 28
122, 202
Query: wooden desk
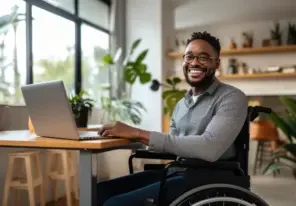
87, 171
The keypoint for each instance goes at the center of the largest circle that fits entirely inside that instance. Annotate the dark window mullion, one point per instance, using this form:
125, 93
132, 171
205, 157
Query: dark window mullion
29, 44
78, 69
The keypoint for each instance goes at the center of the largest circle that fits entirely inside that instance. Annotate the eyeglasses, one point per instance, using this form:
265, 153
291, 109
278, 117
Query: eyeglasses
202, 59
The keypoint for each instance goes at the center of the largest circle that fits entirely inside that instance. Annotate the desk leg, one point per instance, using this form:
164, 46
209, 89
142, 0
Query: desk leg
87, 179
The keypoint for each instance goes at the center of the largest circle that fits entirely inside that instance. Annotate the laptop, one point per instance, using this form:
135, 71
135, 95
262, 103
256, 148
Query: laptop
51, 113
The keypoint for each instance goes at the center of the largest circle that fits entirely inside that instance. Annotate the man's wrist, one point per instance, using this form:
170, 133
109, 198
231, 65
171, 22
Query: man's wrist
143, 135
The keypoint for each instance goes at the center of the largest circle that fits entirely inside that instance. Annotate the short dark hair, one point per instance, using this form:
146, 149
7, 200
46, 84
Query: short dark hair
213, 41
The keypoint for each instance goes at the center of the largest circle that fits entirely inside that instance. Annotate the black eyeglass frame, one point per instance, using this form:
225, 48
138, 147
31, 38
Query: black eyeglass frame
198, 58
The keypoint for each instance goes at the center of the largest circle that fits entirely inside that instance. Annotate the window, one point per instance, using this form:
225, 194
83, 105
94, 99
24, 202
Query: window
95, 44
12, 51
67, 5
53, 48
94, 11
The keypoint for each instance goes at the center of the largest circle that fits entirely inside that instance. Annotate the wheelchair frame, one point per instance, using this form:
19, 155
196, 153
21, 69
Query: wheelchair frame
239, 163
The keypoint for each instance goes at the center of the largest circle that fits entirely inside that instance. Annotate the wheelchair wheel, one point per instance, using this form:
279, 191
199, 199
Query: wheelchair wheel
219, 195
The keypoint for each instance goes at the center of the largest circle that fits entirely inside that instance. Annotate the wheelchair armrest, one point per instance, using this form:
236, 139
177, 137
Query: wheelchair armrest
198, 163
147, 154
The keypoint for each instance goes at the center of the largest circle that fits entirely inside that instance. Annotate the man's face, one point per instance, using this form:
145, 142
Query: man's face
200, 63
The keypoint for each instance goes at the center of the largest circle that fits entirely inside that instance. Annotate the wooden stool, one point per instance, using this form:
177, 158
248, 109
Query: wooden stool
29, 182
264, 132
61, 165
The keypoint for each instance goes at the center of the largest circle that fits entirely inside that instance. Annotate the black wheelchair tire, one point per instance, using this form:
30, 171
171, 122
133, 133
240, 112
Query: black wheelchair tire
239, 192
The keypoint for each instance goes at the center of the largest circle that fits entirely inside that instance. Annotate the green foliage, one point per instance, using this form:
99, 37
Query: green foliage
172, 95
276, 33
80, 103
123, 108
292, 30
132, 69
285, 156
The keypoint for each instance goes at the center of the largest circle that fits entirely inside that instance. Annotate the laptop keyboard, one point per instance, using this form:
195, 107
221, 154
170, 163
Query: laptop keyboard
89, 135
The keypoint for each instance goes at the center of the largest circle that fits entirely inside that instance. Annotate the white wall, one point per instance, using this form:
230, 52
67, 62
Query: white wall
193, 13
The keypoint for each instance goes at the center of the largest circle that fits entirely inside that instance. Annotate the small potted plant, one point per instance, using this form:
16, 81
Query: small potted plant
291, 34
276, 35
81, 108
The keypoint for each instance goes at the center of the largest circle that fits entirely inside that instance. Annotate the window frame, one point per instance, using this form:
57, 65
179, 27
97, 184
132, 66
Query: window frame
78, 21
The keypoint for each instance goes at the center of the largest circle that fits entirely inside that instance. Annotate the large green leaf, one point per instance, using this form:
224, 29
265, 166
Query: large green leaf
169, 81
276, 166
130, 76
145, 78
290, 124
176, 80
140, 68
135, 45
290, 103
280, 123
107, 59
141, 56
167, 93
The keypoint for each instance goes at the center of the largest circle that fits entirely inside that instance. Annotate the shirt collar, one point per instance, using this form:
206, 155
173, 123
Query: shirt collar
210, 90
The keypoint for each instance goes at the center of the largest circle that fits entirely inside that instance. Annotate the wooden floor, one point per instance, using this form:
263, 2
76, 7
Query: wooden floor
63, 202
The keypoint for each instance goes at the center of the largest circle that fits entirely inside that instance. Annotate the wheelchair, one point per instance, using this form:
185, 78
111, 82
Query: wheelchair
214, 190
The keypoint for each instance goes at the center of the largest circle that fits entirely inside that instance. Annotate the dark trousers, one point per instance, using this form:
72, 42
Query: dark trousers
133, 190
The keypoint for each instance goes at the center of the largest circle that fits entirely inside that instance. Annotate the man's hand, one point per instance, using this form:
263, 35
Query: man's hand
119, 129
125, 131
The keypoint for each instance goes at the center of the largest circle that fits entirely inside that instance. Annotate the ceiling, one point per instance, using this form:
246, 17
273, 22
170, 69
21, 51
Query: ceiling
193, 13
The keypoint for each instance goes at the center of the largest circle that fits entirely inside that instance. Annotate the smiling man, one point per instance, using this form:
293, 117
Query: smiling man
204, 125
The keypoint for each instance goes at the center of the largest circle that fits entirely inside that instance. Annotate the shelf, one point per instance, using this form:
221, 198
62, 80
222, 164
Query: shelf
256, 76
259, 76
248, 51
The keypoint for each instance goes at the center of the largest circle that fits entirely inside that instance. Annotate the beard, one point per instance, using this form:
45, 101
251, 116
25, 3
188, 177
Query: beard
205, 81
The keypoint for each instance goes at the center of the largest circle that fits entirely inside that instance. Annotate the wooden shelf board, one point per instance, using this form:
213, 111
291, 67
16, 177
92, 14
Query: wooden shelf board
256, 76
248, 51
259, 76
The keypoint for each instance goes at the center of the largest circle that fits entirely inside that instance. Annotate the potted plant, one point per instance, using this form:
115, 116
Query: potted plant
119, 105
81, 108
276, 35
291, 34
285, 156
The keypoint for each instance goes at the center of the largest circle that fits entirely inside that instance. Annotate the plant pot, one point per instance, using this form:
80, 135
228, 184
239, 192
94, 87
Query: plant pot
291, 40
82, 119
275, 42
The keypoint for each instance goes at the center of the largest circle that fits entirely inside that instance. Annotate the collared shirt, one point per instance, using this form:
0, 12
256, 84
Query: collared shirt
205, 129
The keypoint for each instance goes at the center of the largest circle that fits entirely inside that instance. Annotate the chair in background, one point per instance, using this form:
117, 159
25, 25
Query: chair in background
267, 137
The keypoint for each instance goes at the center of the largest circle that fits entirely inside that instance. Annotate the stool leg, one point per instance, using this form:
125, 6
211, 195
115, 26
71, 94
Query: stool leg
39, 174
256, 158
7, 181
47, 171
75, 175
17, 197
57, 167
67, 174
30, 181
